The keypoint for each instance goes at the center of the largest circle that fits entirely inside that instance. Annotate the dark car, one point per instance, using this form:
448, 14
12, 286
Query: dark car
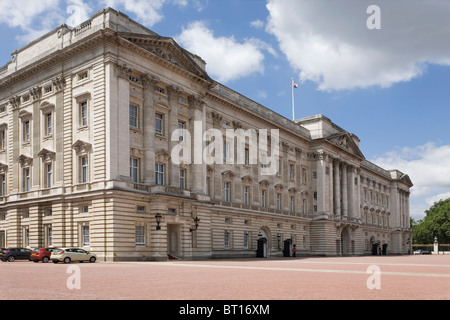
12, 254
41, 254
426, 252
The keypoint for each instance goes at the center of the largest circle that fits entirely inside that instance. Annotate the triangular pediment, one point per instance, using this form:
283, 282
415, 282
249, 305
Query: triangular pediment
345, 141
168, 50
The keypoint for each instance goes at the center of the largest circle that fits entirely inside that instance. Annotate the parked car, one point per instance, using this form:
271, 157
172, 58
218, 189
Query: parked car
426, 252
13, 254
41, 254
68, 255
418, 252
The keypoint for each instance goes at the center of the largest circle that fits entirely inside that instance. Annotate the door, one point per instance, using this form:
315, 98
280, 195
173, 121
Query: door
2, 239
261, 251
173, 239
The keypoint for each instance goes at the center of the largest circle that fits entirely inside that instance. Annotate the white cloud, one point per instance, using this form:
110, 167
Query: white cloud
226, 58
257, 24
428, 166
329, 43
147, 12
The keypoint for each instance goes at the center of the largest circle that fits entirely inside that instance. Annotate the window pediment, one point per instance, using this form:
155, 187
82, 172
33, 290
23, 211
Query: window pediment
82, 147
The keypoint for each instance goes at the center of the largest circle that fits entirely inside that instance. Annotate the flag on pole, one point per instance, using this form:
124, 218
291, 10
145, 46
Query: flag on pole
295, 85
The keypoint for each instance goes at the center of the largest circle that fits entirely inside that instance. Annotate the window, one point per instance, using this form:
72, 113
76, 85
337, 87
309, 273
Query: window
26, 179
83, 75
160, 90
49, 175
263, 198
134, 169
314, 175
292, 204
278, 163
304, 205
26, 131
140, 236
134, 116
278, 196
3, 139
84, 169
83, 114
26, 237
291, 171
226, 240
159, 124
182, 179
246, 195
226, 151
246, 156
48, 125
303, 176
48, 89
48, 236
85, 236
3, 185
159, 174
227, 191
246, 240
181, 127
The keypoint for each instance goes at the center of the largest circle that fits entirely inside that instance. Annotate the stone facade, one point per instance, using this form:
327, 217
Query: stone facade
90, 117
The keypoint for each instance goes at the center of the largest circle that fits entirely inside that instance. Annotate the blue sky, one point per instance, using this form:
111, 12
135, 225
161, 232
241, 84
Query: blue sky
389, 86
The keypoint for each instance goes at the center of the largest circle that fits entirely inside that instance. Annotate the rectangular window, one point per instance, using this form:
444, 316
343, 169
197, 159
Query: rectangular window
3, 140
246, 195
304, 205
291, 171
226, 240
159, 174
292, 204
303, 176
48, 124
85, 235
140, 236
49, 175
84, 169
134, 169
181, 127
83, 114
246, 156
226, 151
134, 116
26, 131
182, 179
3, 185
278, 197
227, 191
263, 198
49, 236
26, 179
159, 124
245, 240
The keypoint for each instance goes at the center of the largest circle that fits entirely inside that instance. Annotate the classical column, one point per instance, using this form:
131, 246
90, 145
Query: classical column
344, 190
337, 189
352, 197
196, 127
149, 83
174, 170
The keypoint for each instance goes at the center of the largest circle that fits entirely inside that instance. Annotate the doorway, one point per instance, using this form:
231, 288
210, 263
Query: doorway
173, 239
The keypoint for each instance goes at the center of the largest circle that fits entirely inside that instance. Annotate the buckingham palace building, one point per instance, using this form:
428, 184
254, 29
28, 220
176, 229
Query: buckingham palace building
115, 139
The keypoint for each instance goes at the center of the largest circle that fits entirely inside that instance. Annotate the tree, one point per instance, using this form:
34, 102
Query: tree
436, 223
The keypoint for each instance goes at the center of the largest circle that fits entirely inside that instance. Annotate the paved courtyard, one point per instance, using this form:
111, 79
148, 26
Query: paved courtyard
313, 278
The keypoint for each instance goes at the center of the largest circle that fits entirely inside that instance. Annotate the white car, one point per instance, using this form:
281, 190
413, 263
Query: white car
67, 255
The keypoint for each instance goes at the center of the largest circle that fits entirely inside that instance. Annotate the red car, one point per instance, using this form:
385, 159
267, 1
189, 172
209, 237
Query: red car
41, 254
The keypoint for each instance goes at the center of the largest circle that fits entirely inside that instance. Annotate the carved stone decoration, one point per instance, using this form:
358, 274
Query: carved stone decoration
228, 174
59, 83
217, 117
46, 155
25, 161
149, 81
123, 71
342, 142
237, 125
162, 156
197, 102
247, 179
15, 102
36, 92
82, 147
3, 168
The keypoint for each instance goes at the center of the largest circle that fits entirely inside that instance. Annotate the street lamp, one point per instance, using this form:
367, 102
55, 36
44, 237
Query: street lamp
158, 218
196, 221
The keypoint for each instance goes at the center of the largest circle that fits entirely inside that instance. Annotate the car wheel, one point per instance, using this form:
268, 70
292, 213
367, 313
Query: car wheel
11, 259
45, 259
92, 260
66, 260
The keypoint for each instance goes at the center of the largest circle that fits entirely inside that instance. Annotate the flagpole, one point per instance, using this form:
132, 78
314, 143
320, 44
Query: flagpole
293, 103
